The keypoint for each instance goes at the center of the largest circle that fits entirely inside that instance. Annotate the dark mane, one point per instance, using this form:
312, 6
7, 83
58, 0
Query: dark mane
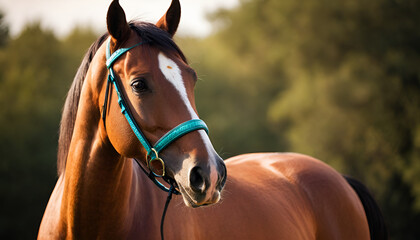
147, 32
156, 37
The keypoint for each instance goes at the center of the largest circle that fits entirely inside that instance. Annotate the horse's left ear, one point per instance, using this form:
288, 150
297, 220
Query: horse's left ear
117, 24
170, 21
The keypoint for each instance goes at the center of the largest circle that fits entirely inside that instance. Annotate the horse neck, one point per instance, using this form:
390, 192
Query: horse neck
100, 185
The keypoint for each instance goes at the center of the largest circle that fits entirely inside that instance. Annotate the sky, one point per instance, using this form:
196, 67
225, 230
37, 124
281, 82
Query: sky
63, 15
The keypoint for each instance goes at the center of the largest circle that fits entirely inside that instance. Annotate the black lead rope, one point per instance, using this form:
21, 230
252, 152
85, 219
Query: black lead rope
168, 199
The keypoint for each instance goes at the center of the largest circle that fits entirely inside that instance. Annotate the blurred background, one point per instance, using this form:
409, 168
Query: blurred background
337, 80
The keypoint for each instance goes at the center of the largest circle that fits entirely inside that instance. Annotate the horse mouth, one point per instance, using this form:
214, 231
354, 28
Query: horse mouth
188, 199
193, 200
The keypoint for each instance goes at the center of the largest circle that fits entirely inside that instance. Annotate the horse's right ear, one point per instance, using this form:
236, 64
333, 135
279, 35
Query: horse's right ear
117, 24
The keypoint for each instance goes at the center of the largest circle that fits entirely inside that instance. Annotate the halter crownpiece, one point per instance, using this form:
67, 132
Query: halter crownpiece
152, 151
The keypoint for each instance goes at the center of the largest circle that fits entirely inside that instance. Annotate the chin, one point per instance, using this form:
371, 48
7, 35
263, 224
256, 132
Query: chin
193, 200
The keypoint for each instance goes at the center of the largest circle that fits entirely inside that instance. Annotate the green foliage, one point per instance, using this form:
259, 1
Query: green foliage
4, 31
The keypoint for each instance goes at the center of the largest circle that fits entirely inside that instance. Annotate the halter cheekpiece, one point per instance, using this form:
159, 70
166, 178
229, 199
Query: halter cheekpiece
164, 141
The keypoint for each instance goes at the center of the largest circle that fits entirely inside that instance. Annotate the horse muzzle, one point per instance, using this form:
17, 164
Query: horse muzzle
203, 184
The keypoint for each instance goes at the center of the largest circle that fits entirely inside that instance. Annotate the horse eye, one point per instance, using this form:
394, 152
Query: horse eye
139, 85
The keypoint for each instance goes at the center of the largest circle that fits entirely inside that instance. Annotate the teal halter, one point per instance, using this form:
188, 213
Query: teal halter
164, 141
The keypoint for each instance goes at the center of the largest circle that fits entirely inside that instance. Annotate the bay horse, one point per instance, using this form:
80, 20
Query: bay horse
131, 111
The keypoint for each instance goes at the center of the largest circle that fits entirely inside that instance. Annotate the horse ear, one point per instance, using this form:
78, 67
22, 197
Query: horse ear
170, 21
117, 23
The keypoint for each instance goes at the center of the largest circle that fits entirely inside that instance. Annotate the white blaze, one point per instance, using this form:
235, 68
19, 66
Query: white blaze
172, 72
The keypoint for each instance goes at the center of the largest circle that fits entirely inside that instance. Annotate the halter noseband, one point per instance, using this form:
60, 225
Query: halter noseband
165, 140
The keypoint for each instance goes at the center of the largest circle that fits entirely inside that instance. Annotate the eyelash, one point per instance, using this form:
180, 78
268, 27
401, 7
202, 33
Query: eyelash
139, 85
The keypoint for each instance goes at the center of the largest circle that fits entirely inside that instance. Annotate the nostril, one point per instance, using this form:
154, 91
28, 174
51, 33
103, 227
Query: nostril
197, 181
222, 175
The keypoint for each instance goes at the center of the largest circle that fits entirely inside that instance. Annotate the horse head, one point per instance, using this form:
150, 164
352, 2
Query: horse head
157, 88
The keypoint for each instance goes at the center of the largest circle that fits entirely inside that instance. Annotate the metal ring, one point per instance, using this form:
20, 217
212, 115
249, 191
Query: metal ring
155, 158
163, 167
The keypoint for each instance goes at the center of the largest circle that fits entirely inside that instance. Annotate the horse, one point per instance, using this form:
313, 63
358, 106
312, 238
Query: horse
130, 137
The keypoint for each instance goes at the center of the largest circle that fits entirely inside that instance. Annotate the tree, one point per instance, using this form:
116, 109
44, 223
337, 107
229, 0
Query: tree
4, 31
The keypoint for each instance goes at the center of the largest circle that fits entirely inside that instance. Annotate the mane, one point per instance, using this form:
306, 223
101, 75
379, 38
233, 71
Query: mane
147, 32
